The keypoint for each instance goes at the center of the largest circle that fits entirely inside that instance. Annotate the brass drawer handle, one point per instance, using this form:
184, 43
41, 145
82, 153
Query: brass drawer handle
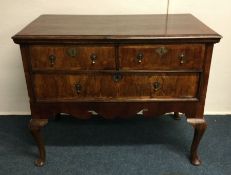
52, 59
93, 58
182, 58
156, 86
117, 77
140, 57
161, 51
78, 88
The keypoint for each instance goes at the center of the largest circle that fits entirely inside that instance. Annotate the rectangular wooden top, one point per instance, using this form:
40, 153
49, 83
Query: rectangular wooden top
175, 26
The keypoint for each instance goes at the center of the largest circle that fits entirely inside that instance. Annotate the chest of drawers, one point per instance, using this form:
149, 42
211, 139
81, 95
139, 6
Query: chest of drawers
116, 66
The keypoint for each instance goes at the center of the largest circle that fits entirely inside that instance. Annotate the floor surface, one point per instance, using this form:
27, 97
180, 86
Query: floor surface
158, 146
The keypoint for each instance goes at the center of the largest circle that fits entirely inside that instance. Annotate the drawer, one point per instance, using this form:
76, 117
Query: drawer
115, 86
162, 57
72, 57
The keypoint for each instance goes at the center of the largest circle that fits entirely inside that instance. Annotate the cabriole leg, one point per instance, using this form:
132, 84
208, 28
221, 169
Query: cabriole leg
176, 116
57, 117
35, 126
200, 126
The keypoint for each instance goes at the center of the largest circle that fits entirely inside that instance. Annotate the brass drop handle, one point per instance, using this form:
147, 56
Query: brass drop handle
140, 57
117, 77
52, 59
182, 58
93, 58
156, 86
78, 88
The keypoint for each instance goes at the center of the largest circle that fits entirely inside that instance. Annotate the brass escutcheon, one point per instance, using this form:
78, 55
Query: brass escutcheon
161, 51
156, 86
72, 52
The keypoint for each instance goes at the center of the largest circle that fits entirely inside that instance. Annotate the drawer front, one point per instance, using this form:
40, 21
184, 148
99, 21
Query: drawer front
72, 57
114, 86
162, 57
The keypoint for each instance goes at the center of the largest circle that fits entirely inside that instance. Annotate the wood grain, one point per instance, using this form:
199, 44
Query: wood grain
193, 57
116, 27
54, 87
105, 57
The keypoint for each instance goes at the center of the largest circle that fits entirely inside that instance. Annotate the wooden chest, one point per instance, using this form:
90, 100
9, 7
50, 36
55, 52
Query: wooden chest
116, 66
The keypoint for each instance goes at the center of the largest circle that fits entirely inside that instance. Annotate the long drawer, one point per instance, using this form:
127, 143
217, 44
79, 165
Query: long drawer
72, 57
115, 86
162, 57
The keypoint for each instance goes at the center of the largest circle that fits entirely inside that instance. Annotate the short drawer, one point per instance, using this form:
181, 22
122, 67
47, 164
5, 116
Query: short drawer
72, 57
115, 86
162, 57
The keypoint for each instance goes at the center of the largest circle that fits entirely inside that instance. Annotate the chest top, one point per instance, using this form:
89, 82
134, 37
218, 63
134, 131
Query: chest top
177, 26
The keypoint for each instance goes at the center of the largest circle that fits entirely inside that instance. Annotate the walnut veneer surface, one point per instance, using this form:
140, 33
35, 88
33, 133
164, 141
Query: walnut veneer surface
116, 65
